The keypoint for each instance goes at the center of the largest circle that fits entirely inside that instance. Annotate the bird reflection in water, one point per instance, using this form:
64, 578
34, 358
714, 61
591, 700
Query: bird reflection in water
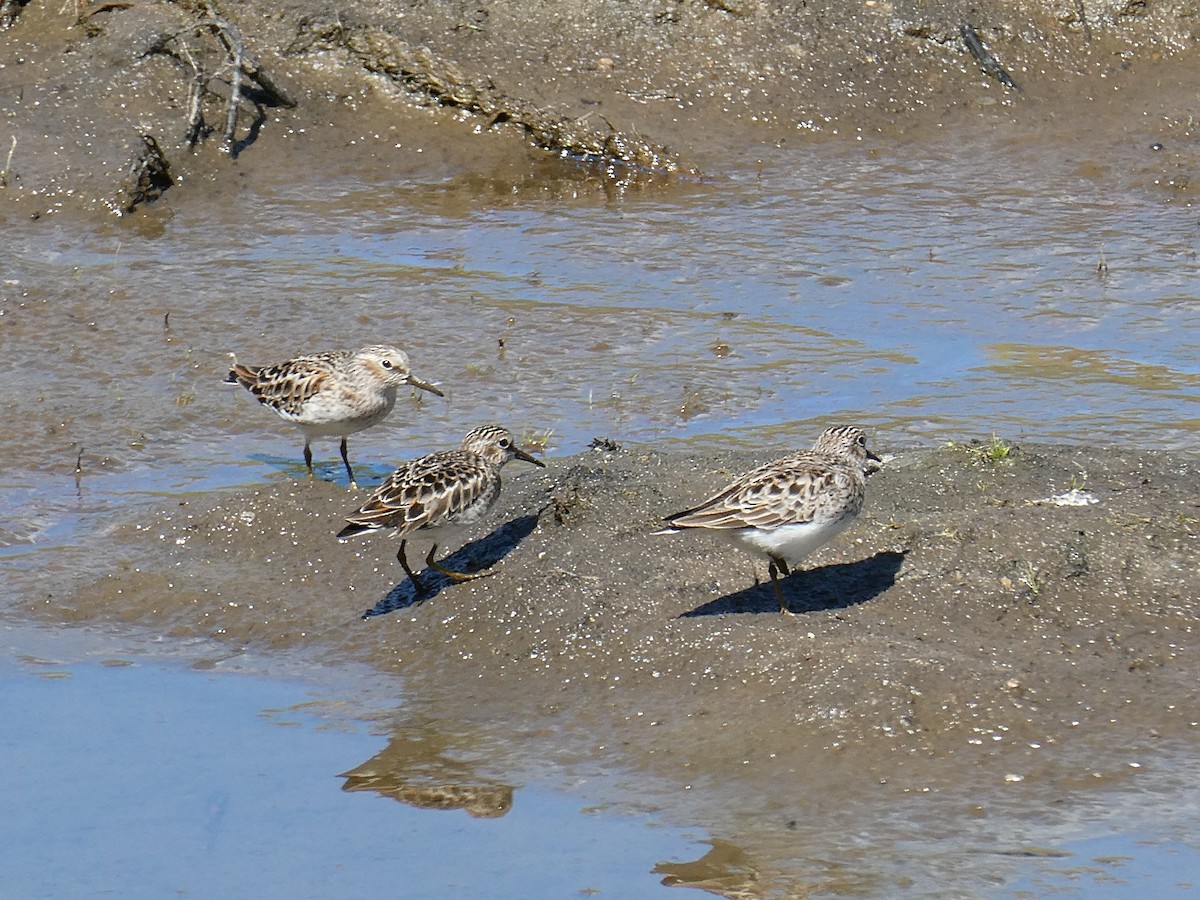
417, 769
725, 870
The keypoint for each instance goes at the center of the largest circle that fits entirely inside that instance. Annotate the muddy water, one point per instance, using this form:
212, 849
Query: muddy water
931, 296
923, 295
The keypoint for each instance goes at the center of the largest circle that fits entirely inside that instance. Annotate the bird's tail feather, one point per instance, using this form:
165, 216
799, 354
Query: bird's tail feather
353, 529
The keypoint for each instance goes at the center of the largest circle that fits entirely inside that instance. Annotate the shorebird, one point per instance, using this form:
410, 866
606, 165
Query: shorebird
450, 487
332, 393
788, 508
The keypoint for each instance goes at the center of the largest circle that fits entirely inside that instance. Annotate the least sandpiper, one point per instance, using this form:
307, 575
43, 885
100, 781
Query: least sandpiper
450, 487
788, 508
335, 392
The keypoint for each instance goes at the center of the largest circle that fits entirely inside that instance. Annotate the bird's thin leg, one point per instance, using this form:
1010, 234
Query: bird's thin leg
450, 573
346, 460
308, 457
776, 566
412, 576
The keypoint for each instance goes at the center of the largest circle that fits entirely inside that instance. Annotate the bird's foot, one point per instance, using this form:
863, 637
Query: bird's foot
459, 577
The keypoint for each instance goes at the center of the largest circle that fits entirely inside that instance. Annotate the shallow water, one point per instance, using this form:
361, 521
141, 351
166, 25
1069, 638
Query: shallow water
192, 771
1113, 867
920, 296
143, 778
914, 292
928, 295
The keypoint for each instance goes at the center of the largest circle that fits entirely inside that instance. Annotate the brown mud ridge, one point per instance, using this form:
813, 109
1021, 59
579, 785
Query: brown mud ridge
979, 606
112, 105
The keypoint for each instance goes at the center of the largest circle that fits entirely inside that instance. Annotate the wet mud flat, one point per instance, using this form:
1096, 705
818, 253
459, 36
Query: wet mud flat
116, 107
1000, 618
1002, 630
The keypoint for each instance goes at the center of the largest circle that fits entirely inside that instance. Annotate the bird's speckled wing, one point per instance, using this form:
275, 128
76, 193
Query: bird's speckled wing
286, 387
792, 490
429, 491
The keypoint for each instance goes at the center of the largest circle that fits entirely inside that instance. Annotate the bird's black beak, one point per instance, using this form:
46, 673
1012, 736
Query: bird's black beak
521, 454
424, 385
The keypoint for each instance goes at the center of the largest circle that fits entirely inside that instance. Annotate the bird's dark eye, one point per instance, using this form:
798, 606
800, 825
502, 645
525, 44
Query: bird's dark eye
505, 443
862, 439
387, 363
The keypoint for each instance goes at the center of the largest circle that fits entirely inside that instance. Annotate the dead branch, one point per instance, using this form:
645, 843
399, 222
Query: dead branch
241, 65
195, 129
7, 170
232, 39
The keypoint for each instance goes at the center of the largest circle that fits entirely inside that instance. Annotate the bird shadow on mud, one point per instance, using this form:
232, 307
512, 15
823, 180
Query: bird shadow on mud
476, 557
835, 586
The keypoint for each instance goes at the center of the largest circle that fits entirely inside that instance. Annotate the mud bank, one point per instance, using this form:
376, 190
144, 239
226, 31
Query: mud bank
111, 108
1047, 594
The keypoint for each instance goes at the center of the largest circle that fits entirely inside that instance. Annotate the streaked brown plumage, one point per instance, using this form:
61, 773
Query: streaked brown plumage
449, 487
331, 393
788, 508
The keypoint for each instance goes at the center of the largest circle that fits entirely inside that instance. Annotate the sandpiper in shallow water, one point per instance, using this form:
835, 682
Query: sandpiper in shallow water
788, 508
450, 487
332, 393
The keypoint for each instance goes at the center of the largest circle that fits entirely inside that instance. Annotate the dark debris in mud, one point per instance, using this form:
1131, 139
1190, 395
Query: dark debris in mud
439, 81
9, 10
987, 62
216, 62
149, 174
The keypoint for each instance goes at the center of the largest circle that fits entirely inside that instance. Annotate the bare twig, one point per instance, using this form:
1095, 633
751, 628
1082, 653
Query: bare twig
232, 39
241, 65
247, 64
4, 173
984, 57
195, 128
1087, 29
235, 97
274, 91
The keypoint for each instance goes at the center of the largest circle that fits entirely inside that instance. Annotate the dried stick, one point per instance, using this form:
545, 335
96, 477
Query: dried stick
195, 127
248, 65
984, 57
232, 39
1087, 29
235, 89
8, 163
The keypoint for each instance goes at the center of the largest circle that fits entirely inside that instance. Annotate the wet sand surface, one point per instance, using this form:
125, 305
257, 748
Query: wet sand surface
972, 655
999, 657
